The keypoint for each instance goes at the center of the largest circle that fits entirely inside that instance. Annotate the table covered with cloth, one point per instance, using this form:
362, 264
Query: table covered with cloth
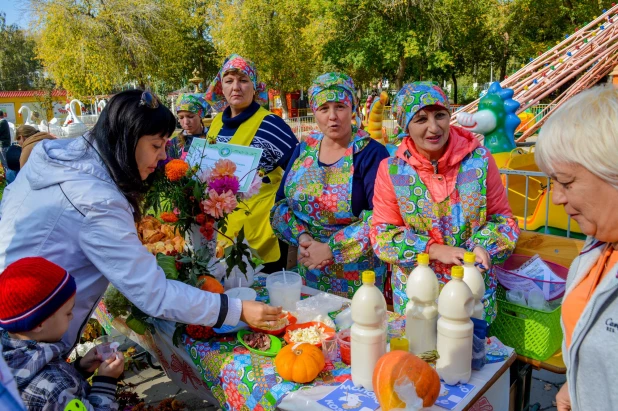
243, 381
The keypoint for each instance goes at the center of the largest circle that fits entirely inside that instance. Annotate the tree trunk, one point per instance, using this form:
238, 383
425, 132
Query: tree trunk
284, 105
505, 57
400, 72
454, 78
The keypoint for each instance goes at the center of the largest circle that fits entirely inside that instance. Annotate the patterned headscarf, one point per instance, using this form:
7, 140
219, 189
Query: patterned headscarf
193, 103
413, 97
332, 87
214, 94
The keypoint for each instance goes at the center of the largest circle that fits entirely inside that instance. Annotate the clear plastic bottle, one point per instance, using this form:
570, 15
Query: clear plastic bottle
455, 330
368, 333
475, 280
422, 290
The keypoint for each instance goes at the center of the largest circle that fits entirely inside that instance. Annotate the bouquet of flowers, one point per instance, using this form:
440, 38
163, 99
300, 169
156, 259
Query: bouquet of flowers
186, 200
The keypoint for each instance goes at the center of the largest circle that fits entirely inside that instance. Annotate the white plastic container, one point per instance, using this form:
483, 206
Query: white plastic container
368, 333
284, 289
474, 278
422, 290
455, 330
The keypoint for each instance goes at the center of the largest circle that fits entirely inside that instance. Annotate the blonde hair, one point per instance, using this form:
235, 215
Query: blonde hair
583, 131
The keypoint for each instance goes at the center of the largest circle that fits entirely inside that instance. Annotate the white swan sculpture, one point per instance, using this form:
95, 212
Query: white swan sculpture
101, 105
28, 117
77, 127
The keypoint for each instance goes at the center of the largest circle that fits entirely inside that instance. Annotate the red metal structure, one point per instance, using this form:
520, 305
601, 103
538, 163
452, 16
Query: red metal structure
582, 58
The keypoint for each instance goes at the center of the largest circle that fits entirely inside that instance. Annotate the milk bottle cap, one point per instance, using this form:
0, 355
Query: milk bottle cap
457, 272
469, 257
368, 277
422, 258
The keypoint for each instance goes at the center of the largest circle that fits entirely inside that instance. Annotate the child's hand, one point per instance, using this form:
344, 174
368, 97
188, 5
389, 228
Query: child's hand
113, 366
91, 361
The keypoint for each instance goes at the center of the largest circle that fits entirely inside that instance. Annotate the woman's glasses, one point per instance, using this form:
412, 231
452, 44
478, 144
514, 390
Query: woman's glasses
149, 100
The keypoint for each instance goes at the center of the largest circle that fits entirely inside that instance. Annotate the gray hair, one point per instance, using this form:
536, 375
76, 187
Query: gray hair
583, 131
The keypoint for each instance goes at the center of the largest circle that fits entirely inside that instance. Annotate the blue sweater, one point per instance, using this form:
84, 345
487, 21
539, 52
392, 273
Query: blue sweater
366, 164
274, 136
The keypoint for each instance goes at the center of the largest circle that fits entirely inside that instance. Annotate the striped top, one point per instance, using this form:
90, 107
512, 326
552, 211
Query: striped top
274, 136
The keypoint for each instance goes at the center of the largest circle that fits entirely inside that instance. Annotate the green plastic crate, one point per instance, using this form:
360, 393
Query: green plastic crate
532, 333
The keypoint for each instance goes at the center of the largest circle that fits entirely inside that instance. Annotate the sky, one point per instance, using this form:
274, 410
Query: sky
16, 12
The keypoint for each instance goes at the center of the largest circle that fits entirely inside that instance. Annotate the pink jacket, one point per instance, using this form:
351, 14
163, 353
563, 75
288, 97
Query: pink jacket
440, 185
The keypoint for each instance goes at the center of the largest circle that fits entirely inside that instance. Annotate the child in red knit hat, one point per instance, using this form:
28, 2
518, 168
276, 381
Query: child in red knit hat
36, 307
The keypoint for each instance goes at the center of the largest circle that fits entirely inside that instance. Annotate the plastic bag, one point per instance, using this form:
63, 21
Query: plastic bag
306, 315
322, 302
405, 390
478, 343
344, 319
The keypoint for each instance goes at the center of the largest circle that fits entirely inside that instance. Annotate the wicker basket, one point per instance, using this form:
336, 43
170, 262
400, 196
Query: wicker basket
532, 333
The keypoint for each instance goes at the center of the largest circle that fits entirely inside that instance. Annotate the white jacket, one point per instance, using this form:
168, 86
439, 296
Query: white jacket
65, 207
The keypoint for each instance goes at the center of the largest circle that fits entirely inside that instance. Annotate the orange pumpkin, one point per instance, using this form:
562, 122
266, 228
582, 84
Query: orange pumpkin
210, 284
396, 364
300, 362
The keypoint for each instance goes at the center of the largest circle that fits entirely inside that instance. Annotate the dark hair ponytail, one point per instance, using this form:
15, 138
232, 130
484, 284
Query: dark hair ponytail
121, 124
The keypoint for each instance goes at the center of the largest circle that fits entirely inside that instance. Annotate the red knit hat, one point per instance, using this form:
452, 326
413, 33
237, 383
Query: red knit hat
31, 290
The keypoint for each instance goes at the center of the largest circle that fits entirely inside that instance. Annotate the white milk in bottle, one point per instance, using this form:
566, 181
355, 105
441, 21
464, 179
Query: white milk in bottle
368, 333
455, 329
422, 290
476, 282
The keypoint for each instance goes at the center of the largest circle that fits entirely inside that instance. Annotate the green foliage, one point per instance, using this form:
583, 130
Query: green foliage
19, 68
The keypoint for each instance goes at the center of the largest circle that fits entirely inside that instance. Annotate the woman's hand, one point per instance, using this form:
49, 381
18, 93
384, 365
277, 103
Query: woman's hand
563, 399
259, 314
319, 256
304, 241
446, 254
91, 361
482, 256
113, 366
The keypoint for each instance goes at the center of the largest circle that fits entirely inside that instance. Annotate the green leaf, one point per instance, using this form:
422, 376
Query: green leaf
168, 264
137, 325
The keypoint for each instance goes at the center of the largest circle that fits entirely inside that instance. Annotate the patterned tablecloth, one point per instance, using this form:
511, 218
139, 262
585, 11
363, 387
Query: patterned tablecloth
243, 381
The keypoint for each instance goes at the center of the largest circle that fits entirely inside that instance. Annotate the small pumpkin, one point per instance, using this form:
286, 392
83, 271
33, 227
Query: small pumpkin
300, 362
210, 284
396, 364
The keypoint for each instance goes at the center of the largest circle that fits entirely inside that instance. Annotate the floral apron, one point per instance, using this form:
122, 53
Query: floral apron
321, 197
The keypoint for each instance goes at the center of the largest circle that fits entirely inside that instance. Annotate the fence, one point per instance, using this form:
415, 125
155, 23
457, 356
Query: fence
533, 203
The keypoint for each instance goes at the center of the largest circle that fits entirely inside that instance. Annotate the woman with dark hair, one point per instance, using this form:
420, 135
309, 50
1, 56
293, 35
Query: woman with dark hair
76, 206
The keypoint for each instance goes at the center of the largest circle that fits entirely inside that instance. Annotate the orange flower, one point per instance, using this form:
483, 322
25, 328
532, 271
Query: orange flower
168, 217
219, 205
176, 169
223, 168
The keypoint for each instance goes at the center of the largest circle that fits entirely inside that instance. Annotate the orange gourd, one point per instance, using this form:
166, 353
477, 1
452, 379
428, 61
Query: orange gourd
210, 284
396, 364
300, 362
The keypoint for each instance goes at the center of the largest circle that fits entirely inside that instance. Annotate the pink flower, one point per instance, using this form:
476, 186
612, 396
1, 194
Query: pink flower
223, 184
254, 188
205, 175
219, 205
223, 168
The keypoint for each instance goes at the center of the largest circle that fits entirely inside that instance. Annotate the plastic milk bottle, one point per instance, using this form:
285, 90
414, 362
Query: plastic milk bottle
422, 289
455, 329
368, 333
476, 282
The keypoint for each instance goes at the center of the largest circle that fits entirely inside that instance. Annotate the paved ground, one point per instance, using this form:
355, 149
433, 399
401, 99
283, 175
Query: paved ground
545, 386
153, 386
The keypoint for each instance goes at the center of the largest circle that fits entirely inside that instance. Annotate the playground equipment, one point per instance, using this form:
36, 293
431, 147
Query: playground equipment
28, 120
76, 127
582, 58
373, 124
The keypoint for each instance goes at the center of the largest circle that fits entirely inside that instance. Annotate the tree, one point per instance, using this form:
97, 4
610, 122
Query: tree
19, 67
285, 38
97, 46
